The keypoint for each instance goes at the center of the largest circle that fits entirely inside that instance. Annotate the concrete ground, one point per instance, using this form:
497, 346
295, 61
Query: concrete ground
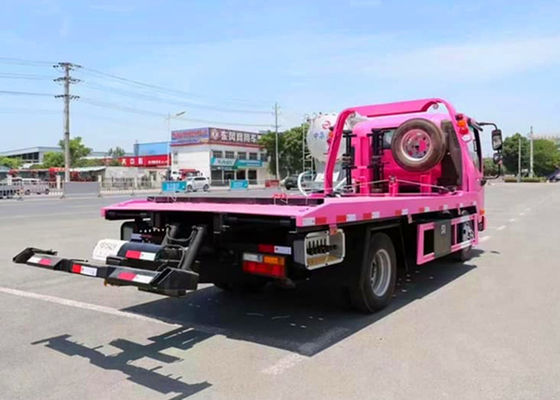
486, 329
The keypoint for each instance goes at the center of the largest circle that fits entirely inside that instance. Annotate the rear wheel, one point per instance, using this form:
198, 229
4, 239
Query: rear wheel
375, 283
206, 188
189, 188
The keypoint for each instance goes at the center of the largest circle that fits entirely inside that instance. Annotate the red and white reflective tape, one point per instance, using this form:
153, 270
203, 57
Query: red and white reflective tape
311, 221
346, 218
445, 207
140, 255
131, 276
84, 270
424, 209
39, 260
403, 211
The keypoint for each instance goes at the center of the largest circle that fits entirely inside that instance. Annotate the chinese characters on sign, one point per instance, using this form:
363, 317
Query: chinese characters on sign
233, 137
214, 135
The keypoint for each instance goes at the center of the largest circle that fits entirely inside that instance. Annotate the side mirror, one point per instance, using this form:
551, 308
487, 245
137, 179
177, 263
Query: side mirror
497, 158
497, 139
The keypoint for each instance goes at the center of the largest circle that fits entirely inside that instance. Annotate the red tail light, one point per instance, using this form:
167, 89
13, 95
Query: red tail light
272, 270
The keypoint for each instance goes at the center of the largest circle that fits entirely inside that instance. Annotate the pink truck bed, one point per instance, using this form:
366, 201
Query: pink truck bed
333, 210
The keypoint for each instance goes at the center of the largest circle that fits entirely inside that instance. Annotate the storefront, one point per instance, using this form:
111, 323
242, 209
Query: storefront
220, 154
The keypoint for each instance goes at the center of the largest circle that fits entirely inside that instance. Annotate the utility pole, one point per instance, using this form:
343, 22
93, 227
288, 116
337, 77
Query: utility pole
519, 159
276, 141
67, 79
531, 153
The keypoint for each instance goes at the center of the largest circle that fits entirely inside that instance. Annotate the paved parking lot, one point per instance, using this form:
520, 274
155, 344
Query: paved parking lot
487, 329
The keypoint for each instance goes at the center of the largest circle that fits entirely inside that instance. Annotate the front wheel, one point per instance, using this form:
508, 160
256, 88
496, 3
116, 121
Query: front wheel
189, 188
375, 283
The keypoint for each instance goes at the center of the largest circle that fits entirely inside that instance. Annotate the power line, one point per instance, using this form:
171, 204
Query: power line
21, 61
18, 93
118, 107
13, 75
176, 92
156, 99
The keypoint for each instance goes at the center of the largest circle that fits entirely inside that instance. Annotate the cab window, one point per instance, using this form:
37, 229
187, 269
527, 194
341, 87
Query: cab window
474, 148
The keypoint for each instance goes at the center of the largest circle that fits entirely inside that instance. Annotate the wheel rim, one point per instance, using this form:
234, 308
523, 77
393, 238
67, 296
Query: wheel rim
416, 145
380, 272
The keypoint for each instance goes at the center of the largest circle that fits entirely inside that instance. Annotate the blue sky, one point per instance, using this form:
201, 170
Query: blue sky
229, 61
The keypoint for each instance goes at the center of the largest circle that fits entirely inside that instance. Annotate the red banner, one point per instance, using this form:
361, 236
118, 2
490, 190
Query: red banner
145, 161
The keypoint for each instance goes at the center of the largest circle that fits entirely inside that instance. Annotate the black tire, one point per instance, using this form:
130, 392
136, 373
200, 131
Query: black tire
189, 188
374, 285
47, 191
206, 188
426, 129
464, 230
27, 192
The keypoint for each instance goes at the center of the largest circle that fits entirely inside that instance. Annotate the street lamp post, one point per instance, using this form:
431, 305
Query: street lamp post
169, 117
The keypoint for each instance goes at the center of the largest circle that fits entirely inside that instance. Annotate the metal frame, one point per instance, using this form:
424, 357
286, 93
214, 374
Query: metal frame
422, 258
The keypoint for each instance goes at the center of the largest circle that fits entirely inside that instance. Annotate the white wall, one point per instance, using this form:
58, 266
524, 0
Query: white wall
191, 157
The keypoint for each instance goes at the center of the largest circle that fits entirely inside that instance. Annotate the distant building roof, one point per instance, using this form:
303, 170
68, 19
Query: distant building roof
25, 150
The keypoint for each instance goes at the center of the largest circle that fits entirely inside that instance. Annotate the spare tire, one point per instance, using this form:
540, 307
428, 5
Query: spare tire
418, 145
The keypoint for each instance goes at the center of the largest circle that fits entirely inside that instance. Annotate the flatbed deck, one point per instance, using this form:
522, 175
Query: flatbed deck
305, 211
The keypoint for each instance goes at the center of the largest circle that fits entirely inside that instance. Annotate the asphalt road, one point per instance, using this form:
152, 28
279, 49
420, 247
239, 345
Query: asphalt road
487, 329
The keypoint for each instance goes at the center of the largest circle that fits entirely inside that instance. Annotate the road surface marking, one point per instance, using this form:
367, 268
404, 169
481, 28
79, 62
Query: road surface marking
512, 220
283, 364
522, 213
84, 306
484, 238
501, 227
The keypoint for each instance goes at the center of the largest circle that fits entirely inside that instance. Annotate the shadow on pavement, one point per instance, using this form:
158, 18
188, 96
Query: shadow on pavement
181, 338
305, 320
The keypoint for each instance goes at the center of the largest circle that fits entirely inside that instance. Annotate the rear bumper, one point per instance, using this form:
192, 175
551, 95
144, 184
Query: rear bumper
167, 281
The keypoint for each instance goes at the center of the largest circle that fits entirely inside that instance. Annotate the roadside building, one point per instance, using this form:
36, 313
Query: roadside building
220, 154
36, 154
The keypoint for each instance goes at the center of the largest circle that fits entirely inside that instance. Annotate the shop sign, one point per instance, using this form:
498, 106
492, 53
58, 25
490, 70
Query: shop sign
249, 164
227, 136
222, 162
189, 136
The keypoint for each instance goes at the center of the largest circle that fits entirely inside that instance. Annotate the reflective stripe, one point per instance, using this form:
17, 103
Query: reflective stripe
142, 279
282, 250
34, 259
351, 217
252, 257
90, 271
308, 221
147, 256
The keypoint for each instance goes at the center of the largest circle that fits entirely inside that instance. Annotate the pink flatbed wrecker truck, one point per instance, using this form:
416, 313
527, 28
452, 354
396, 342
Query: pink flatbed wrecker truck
412, 191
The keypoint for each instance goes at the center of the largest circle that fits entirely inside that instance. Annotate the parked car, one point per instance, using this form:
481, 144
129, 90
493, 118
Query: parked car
290, 182
195, 183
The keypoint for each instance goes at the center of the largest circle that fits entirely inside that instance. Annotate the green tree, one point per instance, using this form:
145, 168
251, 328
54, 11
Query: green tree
53, 159
289, 149
77, 151
546, 157
490, 169
116, 152
510, 152
12, 163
